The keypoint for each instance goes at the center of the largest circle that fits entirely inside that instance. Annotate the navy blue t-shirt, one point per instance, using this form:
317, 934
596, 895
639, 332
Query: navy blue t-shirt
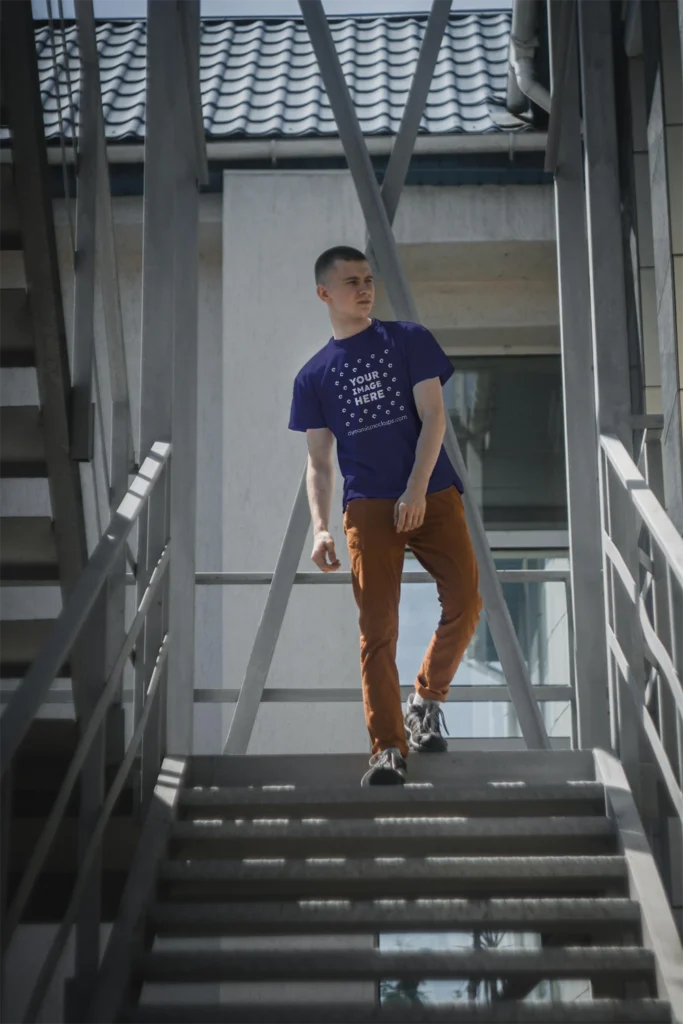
361, 388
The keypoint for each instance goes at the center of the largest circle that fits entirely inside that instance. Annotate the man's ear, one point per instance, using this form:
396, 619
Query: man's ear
322, 293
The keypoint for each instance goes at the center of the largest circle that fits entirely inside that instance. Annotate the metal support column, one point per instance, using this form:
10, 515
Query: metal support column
180, 697
581, 434
384, 247
100, 263
610, 335
156, 376
606, 259
82, 409
169, 342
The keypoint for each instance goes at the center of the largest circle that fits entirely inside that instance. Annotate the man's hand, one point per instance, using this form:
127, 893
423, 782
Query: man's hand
324, 555
409, 510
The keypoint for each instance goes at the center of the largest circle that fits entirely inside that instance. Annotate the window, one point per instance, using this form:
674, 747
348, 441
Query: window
507, 414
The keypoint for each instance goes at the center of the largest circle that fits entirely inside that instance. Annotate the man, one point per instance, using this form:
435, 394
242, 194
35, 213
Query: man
376, 388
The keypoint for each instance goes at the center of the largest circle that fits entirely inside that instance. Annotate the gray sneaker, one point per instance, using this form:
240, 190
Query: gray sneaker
423, 726
387, 768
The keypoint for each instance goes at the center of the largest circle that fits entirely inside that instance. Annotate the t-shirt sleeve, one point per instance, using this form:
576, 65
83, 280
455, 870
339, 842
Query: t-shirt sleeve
426, 358
306, 412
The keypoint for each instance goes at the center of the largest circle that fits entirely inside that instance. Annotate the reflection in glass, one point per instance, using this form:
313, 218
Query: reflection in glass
507, 414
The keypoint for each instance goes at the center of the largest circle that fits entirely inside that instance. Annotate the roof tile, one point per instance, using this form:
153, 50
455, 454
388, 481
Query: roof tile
260, 77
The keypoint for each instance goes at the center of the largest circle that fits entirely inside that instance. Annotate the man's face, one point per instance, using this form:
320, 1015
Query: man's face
349, 288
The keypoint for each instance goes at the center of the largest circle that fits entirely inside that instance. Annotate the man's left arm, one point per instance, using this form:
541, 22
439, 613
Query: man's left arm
409, 511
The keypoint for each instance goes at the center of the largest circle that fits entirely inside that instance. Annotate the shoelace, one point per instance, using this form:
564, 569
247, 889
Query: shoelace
434, 718
383, 757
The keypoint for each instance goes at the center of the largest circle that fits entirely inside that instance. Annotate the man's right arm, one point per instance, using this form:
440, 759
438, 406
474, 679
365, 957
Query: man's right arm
320, 487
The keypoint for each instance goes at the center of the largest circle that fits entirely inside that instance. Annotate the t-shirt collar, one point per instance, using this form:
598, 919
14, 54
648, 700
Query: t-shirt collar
361, 336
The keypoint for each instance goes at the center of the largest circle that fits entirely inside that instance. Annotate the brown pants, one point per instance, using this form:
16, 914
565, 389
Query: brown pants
442, 546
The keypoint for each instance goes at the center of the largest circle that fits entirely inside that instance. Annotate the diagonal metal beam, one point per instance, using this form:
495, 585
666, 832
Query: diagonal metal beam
566, 35
270, 625
399, 160
384, 246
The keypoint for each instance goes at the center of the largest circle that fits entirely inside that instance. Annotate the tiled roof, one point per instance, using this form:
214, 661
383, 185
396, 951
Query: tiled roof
260, 78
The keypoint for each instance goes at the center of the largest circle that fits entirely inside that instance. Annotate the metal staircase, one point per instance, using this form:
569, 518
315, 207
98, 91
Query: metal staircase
265, 855
279, 874
37, 473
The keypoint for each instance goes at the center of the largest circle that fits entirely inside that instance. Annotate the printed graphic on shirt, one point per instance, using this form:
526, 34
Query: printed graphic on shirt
361, 389
370, 391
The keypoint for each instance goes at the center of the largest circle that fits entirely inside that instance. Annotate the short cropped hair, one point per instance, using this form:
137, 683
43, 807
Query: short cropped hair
327, 259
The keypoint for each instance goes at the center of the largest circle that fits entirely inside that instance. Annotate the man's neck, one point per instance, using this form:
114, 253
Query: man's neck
347, 327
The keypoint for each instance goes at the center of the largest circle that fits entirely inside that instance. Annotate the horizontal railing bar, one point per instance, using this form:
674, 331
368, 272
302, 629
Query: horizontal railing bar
92, 849
318, 695
42, 847
344, 695
224, 579
660, 527
221, 579
29, 696
618, 561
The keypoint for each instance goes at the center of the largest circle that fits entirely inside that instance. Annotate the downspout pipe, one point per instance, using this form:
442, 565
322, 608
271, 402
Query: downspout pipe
523, 43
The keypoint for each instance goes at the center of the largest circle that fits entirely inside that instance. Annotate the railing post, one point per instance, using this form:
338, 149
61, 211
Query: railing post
154, 633
94, 663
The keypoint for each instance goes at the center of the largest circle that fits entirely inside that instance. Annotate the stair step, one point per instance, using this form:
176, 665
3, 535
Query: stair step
28, 551
463, 768
397, 878
404, 837
20, 642
22, 447
16, 339
353, 802
575, 916
599, 1011
587, 963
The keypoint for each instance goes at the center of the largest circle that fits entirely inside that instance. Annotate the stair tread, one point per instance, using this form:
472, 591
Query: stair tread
403, 836
599, 1011
16, 338
20, 642
396, 877
22, 446
28, 550
337, 770
352, 801
334, 915
372, 964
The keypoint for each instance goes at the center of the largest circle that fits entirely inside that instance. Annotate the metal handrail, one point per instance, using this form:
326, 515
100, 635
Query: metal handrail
29, 696
651, 521
90, 854
219, 579
42, 846
26, 700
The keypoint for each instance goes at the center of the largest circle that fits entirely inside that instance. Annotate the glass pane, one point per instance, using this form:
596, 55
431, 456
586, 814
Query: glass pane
507, 414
